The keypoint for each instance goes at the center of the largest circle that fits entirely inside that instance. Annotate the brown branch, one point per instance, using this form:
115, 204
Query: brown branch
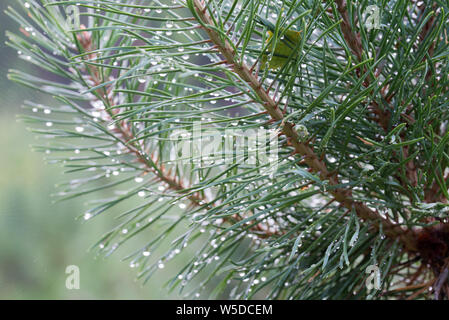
441, 280
343, 196
425, 286
352, 38
127, 138
383, 115
85, 39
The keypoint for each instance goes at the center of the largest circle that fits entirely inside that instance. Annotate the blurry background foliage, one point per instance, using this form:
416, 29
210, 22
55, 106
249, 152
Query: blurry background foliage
39, 239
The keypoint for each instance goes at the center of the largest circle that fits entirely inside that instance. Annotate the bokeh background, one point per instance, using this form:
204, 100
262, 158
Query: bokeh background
39, 239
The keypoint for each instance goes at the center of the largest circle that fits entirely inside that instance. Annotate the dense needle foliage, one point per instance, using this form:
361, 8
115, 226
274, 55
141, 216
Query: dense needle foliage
360, 115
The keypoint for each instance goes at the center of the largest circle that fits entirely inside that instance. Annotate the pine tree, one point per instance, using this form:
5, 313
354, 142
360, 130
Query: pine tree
353, 205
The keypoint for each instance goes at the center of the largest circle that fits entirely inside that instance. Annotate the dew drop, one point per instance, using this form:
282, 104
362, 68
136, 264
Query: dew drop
87, 216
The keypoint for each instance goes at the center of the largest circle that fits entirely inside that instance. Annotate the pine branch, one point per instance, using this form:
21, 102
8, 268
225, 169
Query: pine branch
363, 158
384, 115
123, 127
343, 196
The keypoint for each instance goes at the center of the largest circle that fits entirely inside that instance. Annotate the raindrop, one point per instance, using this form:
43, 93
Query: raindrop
141, 194
87, 216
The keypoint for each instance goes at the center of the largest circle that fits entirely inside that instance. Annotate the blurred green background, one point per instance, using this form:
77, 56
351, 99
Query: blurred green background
38, 239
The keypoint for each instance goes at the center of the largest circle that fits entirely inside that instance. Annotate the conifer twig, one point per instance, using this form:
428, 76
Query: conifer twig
343, 196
